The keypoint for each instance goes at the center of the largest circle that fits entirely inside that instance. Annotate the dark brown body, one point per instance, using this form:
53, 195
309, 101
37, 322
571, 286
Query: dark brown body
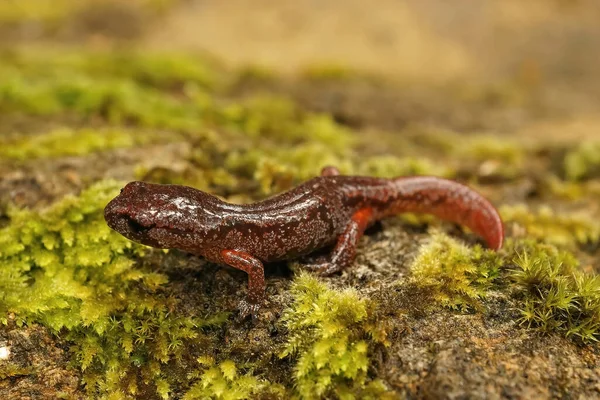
324, 210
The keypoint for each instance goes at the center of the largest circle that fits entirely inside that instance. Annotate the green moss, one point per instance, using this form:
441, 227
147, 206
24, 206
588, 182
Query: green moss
128, 336
36, 10
223, 381
279, 119
391, 166
131, 89
65, 269
149, 69
329, 336
61, 247
153, 91
487, 147
12, 370
312, 142
555, 295
294, 145
115, 101
172, 72
179, 94
471, 155
583, 162
480, 147
262, 115
70, 142
492, 155
564, 189
457, 274
561, 229
57, 11
552, 293
277, 169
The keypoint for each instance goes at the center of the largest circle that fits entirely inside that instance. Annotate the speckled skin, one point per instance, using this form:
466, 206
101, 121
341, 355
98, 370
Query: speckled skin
328, 209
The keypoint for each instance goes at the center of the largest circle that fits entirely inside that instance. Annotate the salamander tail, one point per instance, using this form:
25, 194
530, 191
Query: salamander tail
450, 201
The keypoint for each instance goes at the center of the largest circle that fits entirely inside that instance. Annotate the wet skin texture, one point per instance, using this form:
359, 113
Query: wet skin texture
330, 209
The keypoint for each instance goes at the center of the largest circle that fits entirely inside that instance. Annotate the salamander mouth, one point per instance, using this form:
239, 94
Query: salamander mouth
132, 229
136, 228
148, 232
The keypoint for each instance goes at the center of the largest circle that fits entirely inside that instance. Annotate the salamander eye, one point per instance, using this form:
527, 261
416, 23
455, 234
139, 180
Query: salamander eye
121, 190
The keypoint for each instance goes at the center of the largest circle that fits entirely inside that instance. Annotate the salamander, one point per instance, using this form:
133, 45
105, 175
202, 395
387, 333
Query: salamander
330, 209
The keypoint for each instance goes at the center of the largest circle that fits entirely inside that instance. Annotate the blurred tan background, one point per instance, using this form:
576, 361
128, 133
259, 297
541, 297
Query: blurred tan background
548, 48
415, 39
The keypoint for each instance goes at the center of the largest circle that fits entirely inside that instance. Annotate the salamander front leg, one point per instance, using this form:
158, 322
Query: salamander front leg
345, 249
256, 279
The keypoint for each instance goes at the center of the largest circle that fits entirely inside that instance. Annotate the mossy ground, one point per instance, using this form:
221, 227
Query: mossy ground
423, 312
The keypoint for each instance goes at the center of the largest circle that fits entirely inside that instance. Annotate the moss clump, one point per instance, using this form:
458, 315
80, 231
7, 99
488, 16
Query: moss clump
493, 157
583, 162
391, 166
181, 95
169, 72
481, 147
588, 190
560, 229
223, 381
482, 155
556, 295
457, 274
71, 142
62, 248
279, 119
553, 294
329, 334
312, 141
136, 93
564, 189
277, 169
52, 13
35, 10
11, 370
484, 148
114, 100
65, 269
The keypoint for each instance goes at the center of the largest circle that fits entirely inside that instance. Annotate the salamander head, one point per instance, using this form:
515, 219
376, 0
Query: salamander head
162, 216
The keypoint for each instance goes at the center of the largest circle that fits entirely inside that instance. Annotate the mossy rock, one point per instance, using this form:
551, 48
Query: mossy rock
422, 313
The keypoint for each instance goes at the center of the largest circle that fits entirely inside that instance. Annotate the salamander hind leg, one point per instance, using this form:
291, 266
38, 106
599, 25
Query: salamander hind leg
256, 279
345, 248
330, 170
